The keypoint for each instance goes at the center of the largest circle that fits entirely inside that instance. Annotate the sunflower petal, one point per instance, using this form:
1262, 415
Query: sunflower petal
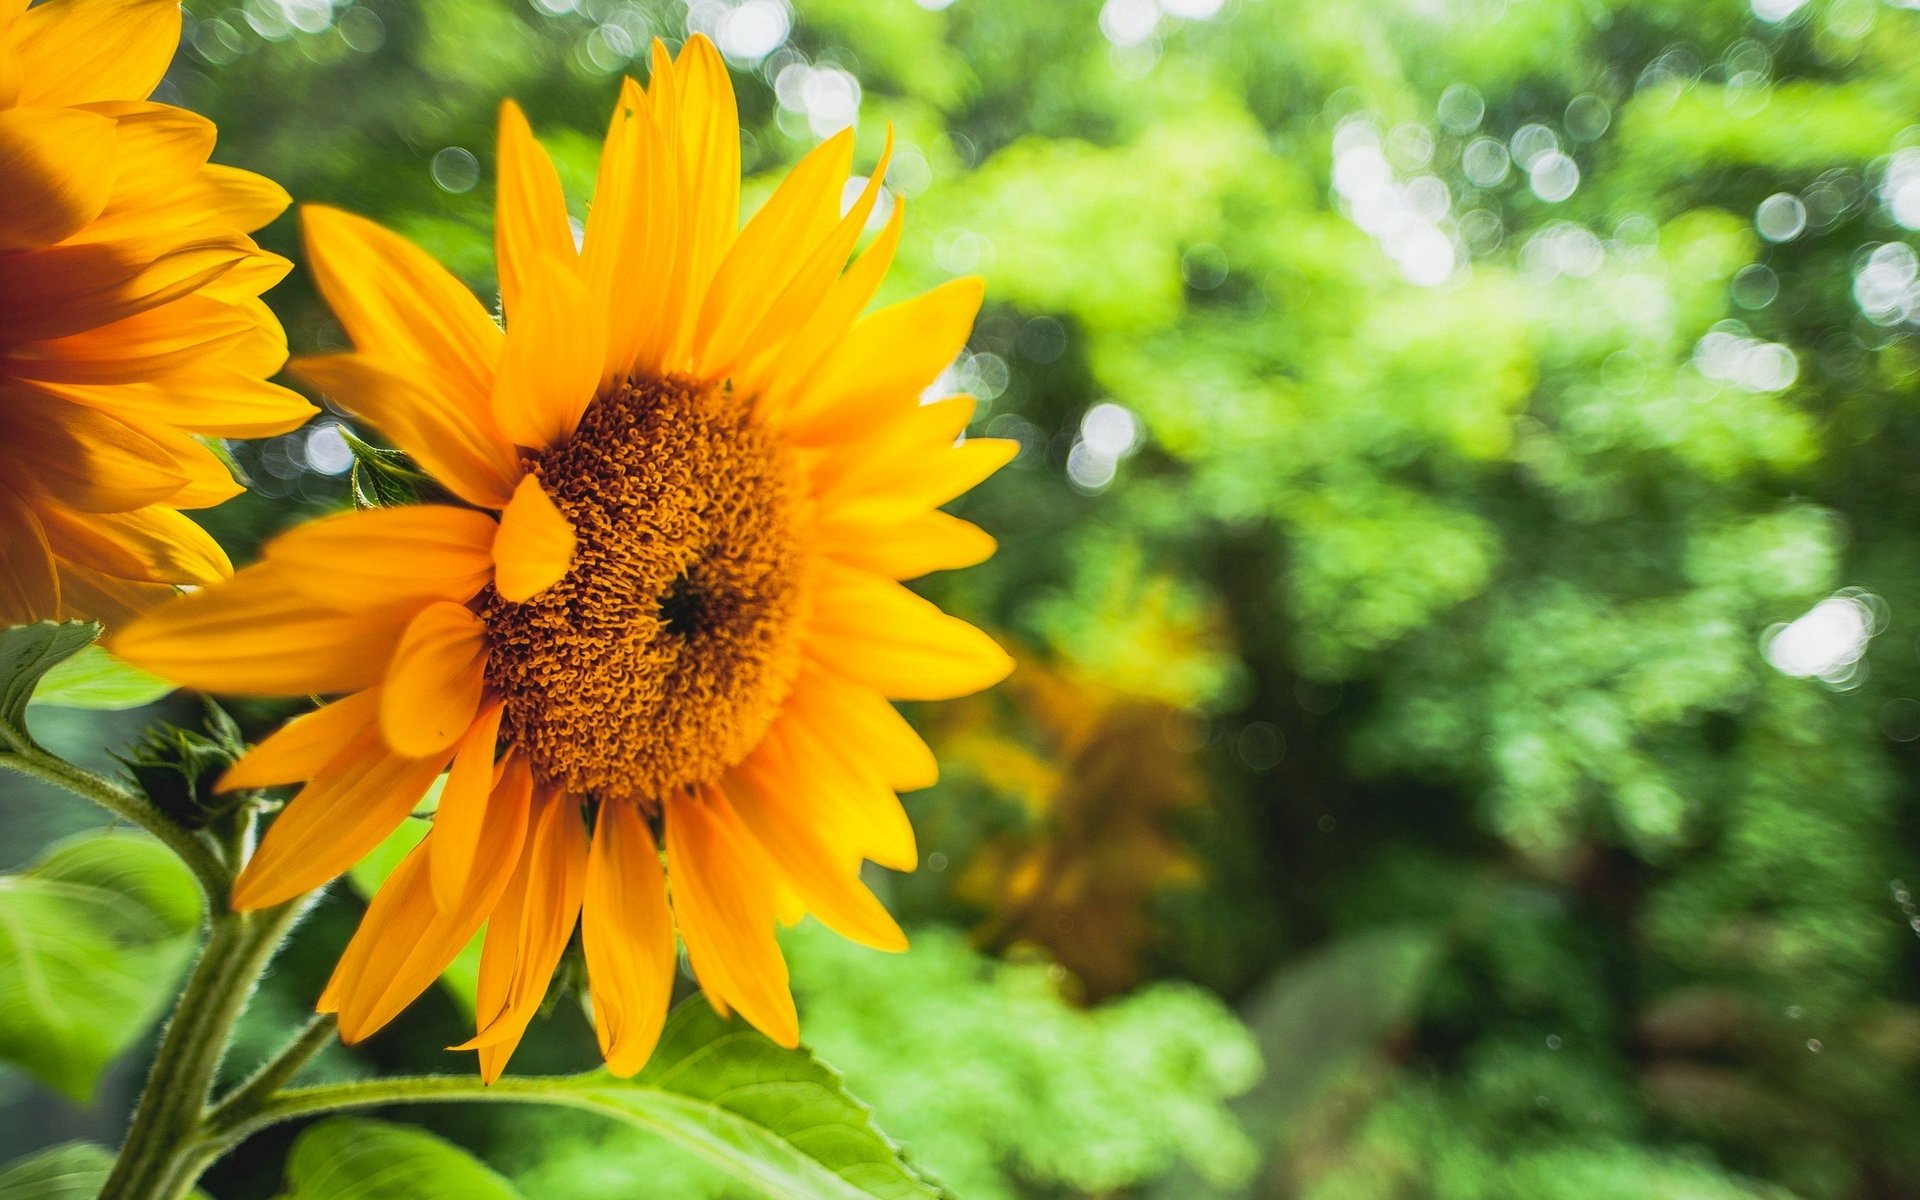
76, 51
456, 441
723, 900
627, 932
535, 545
301, 748
885, 361
58, 166
434, 683
398, 304
355, 801
932, 541
462, 816
877, 633
550, 370
29, 585
530, 212
149, 545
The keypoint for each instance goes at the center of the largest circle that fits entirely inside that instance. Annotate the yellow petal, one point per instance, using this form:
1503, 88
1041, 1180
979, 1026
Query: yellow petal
82, 457
92, 596
149, 545
64, 289
461, 818
770, 251
908, 549
301, 748
76, 51
707, 121
881, 490
175, 336
776, 374
877, 633
58, 164
639, 241
525, 949
406, 939
773, 804
382, 556
723, 900
29, 586
454, 439
628, 936
847, 793
433, 686
530, 211
355, 801
264, 634
212, 400
884, 362
534, 547
842, 713
556, 341
399, 305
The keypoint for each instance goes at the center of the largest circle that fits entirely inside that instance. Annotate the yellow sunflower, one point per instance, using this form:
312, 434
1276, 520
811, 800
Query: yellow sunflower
130, 317
664, 606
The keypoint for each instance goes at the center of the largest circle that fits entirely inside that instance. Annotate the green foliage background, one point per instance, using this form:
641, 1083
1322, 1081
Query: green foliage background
1521, 871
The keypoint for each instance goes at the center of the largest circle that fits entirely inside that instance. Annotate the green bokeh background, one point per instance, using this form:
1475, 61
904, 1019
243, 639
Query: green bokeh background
1432, 413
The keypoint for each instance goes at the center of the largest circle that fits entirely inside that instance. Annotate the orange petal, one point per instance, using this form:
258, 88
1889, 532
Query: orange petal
301, 748
452, 437
877, 633
350, 807
407, 939
461, 818
530, 211
399, 305
534, 547
29, 586
64, 289
556, 341
773, 803
92, 596
723, 900
83, 457
216, 401
385, 555
628, 936
540, 906
150, 545
433, 686
58, 164
76, 51
846, 714
847, 794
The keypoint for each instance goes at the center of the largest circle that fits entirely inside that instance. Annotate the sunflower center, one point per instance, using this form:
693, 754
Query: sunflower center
663, 655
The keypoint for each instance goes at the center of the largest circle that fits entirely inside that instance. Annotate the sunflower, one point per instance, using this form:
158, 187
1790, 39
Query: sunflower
652, 637
130, 317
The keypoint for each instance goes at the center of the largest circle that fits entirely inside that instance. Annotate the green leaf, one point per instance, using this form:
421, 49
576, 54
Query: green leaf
95, 679
350, 1158
382, 478
780, 1120
74, 1171
93, 938
27, 653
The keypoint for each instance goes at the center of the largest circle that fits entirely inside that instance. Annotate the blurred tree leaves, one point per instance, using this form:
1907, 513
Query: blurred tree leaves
92, 938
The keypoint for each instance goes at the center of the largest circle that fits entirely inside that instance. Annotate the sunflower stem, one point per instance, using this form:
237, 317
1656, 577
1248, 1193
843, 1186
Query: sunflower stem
194, 850
162, 1155
223, 1134
249, 1096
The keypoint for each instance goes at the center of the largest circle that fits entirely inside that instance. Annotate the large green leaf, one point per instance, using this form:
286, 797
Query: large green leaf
93, 938
74, 1171
350, 1158
93, 678
28, 652
780, 1120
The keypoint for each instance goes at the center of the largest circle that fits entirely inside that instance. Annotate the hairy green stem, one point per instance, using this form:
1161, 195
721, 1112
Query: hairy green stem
260, 1087
165, 1134
294, 1103
193, 849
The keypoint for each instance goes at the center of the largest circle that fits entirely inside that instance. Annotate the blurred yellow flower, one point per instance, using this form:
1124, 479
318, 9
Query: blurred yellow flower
693, 475
130, 317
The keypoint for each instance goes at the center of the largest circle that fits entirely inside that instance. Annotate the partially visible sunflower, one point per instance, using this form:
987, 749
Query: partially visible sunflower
692, 475
130, 317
